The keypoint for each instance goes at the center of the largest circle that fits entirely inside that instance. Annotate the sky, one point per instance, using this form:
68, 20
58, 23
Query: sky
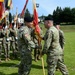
45, 6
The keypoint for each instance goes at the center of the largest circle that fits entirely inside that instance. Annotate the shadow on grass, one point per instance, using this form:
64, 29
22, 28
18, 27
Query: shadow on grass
38, 66
2, 73
8, 65
14, 74
8, 74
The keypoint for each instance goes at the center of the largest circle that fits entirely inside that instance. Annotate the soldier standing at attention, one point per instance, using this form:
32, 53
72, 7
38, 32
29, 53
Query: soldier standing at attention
52, 48
25, 45
61, 35
61, 39
1, 38
6, 41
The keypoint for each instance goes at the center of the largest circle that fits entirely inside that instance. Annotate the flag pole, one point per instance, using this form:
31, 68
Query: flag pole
43, 66
39, 39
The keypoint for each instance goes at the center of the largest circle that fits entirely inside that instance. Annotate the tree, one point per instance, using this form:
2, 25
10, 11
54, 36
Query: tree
66, 14
56, 14
73, 15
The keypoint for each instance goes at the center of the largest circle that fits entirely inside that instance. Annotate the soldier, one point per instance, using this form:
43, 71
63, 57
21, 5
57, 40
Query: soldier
1, 38
25, 45
6, 41
61, 39
61, 35
37, 52
52, 48
13, 41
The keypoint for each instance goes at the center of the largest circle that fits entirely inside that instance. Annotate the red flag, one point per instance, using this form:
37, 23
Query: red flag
1, 10
1, 0
22, 13
35, 22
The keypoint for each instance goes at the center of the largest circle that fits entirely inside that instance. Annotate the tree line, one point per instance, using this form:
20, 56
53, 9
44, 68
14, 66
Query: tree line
65, 15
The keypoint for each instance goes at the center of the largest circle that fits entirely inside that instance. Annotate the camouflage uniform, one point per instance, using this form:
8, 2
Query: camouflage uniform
34, 38
24, 45
6, 43
1, 38
54, 52
13, 42
61, 39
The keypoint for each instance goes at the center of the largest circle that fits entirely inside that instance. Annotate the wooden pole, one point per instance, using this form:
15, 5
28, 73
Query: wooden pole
43, 66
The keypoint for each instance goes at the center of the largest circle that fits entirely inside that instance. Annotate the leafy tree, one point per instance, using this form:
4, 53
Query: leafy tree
56, 14
66, 15
73, 15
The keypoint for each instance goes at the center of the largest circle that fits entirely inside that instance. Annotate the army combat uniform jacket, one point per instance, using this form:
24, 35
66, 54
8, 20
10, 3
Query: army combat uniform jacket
52, 45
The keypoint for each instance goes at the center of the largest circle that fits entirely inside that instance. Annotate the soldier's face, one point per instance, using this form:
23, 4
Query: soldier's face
46, 24
58, 27
30, 24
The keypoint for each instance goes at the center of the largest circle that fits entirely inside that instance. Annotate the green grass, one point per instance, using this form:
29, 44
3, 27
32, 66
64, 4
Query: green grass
10, 67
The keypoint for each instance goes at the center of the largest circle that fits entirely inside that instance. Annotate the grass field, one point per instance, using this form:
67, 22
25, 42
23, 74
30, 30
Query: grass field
10, 67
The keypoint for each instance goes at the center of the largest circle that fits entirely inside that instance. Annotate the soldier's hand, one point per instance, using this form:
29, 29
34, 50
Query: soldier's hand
38, 47
42, 53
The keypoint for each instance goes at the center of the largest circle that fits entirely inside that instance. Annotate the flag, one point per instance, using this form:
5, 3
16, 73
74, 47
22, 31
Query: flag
8, 4
35, 21
22, 13
1, 0
1, 9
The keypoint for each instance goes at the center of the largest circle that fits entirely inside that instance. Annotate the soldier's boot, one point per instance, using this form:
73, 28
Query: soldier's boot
38, 57
35, 58
57, 69
0, 61
6, 59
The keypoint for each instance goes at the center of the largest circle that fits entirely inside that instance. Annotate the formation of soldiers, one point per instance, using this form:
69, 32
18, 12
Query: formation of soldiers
8, 40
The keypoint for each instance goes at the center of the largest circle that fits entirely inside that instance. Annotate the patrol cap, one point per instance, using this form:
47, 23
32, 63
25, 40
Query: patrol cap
28, 19
48, 18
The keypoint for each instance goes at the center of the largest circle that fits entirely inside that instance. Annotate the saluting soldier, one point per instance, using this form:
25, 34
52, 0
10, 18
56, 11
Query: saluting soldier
53, 49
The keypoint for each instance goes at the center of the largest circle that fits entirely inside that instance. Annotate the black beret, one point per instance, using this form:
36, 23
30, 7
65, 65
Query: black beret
28, 19
48, 18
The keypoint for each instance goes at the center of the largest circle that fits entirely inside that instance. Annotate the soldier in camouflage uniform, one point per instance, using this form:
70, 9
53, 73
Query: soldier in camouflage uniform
13, 41
52, 48
37, 52
6, 41
61, 36
61, 39
1, 38
25, 45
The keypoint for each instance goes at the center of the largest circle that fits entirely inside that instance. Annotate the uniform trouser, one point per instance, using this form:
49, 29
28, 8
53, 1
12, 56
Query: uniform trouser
6, 46
0, 50
37, 53
25, 65
12, 46
53, 61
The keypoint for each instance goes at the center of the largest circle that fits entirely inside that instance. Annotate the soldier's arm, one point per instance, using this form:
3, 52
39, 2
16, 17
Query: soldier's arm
27, 37
48, 41
62, 39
